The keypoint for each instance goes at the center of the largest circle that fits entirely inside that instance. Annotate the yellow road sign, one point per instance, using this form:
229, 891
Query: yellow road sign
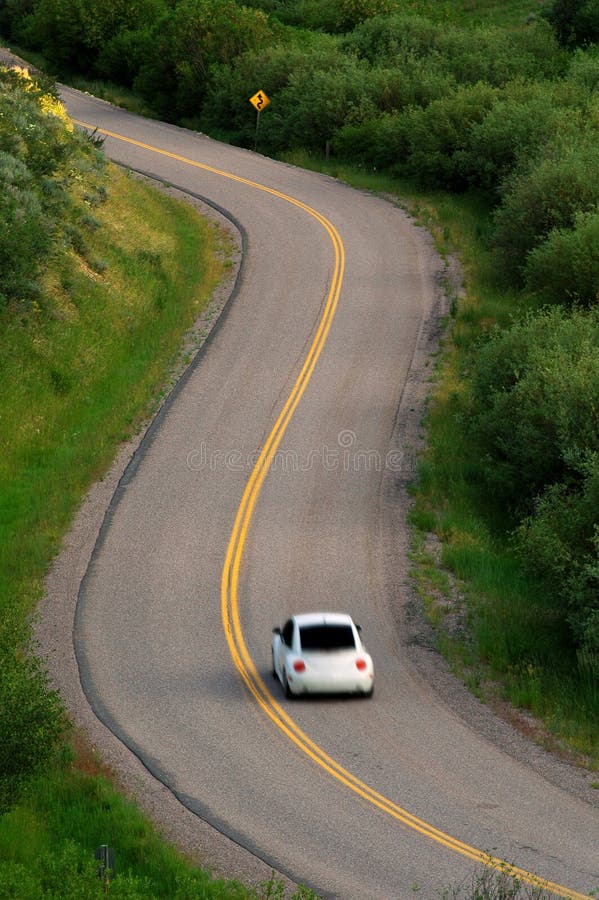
259, 100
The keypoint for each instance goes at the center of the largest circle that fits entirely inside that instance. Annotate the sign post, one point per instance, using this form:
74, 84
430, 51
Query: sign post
259, 101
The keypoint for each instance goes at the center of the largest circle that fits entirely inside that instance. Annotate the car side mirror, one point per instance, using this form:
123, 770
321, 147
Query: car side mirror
359, 628
276, 630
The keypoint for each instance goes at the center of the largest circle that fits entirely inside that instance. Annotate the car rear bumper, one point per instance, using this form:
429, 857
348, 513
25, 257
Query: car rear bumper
315, 684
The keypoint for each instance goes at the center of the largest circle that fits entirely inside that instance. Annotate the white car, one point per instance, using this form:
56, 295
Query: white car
321, 653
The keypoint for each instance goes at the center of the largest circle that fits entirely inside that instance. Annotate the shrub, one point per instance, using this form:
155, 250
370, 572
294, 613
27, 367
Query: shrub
559, 544
197, 36
565, 267
535, 405
309, 14
316, 103
575, 22
156, 78
547, 195
468, 55
436, 135
25, 236
415, 83
41, 158
122, 56
31, 716
71, 33
377, 143
514, 130
353, 12
312, 86
12, 12
584, 69
388, 40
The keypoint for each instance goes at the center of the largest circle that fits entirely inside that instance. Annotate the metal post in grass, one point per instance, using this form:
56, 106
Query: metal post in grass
105, 856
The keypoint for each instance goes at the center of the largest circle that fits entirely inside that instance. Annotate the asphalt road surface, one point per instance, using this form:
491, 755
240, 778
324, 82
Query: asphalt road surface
270, 485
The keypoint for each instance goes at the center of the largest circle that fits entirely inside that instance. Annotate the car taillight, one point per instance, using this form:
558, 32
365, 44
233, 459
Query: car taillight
299, 665
361, 664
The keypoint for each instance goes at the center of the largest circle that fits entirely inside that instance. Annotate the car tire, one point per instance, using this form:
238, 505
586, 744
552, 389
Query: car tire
273, 671
286, 687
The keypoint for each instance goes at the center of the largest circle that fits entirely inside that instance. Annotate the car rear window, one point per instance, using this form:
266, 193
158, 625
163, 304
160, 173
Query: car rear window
327, 637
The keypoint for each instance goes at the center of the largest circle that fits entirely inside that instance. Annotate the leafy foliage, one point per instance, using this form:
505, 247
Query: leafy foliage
535, 418
565, 267
559, 544
31, 716
71, 33
437, 134
41, 158
547, 194
197, 35
576, 22
516, 128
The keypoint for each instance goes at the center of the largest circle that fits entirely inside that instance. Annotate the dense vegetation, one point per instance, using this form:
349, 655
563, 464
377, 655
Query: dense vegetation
505, 120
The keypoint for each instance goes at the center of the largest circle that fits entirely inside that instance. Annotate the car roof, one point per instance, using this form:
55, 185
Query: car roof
323, 618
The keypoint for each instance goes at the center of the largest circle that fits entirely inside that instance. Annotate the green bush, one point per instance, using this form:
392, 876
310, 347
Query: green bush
468, 55
353, 12
535, 405
390, 39
122, 56
12, 13
71, 33
41, 160
32, 719
316, 103
547, 194
286, 73
195, 37
376, 143
576, 22
309, 14
25, 236
565, 267
515, 129
413, 83
559, 544
583, 70
436, 135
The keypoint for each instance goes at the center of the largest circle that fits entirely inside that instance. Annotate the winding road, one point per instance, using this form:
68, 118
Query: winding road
274, 482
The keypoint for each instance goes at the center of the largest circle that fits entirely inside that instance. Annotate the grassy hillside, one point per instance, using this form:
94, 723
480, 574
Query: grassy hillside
89, 339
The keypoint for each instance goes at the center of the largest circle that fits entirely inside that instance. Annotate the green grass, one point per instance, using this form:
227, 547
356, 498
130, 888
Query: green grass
86, 363
70, 812
48, 844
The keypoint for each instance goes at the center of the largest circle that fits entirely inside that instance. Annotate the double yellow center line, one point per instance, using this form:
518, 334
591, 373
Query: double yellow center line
234, 555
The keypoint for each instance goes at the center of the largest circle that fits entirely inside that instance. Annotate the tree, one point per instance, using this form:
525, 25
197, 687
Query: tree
575, 22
